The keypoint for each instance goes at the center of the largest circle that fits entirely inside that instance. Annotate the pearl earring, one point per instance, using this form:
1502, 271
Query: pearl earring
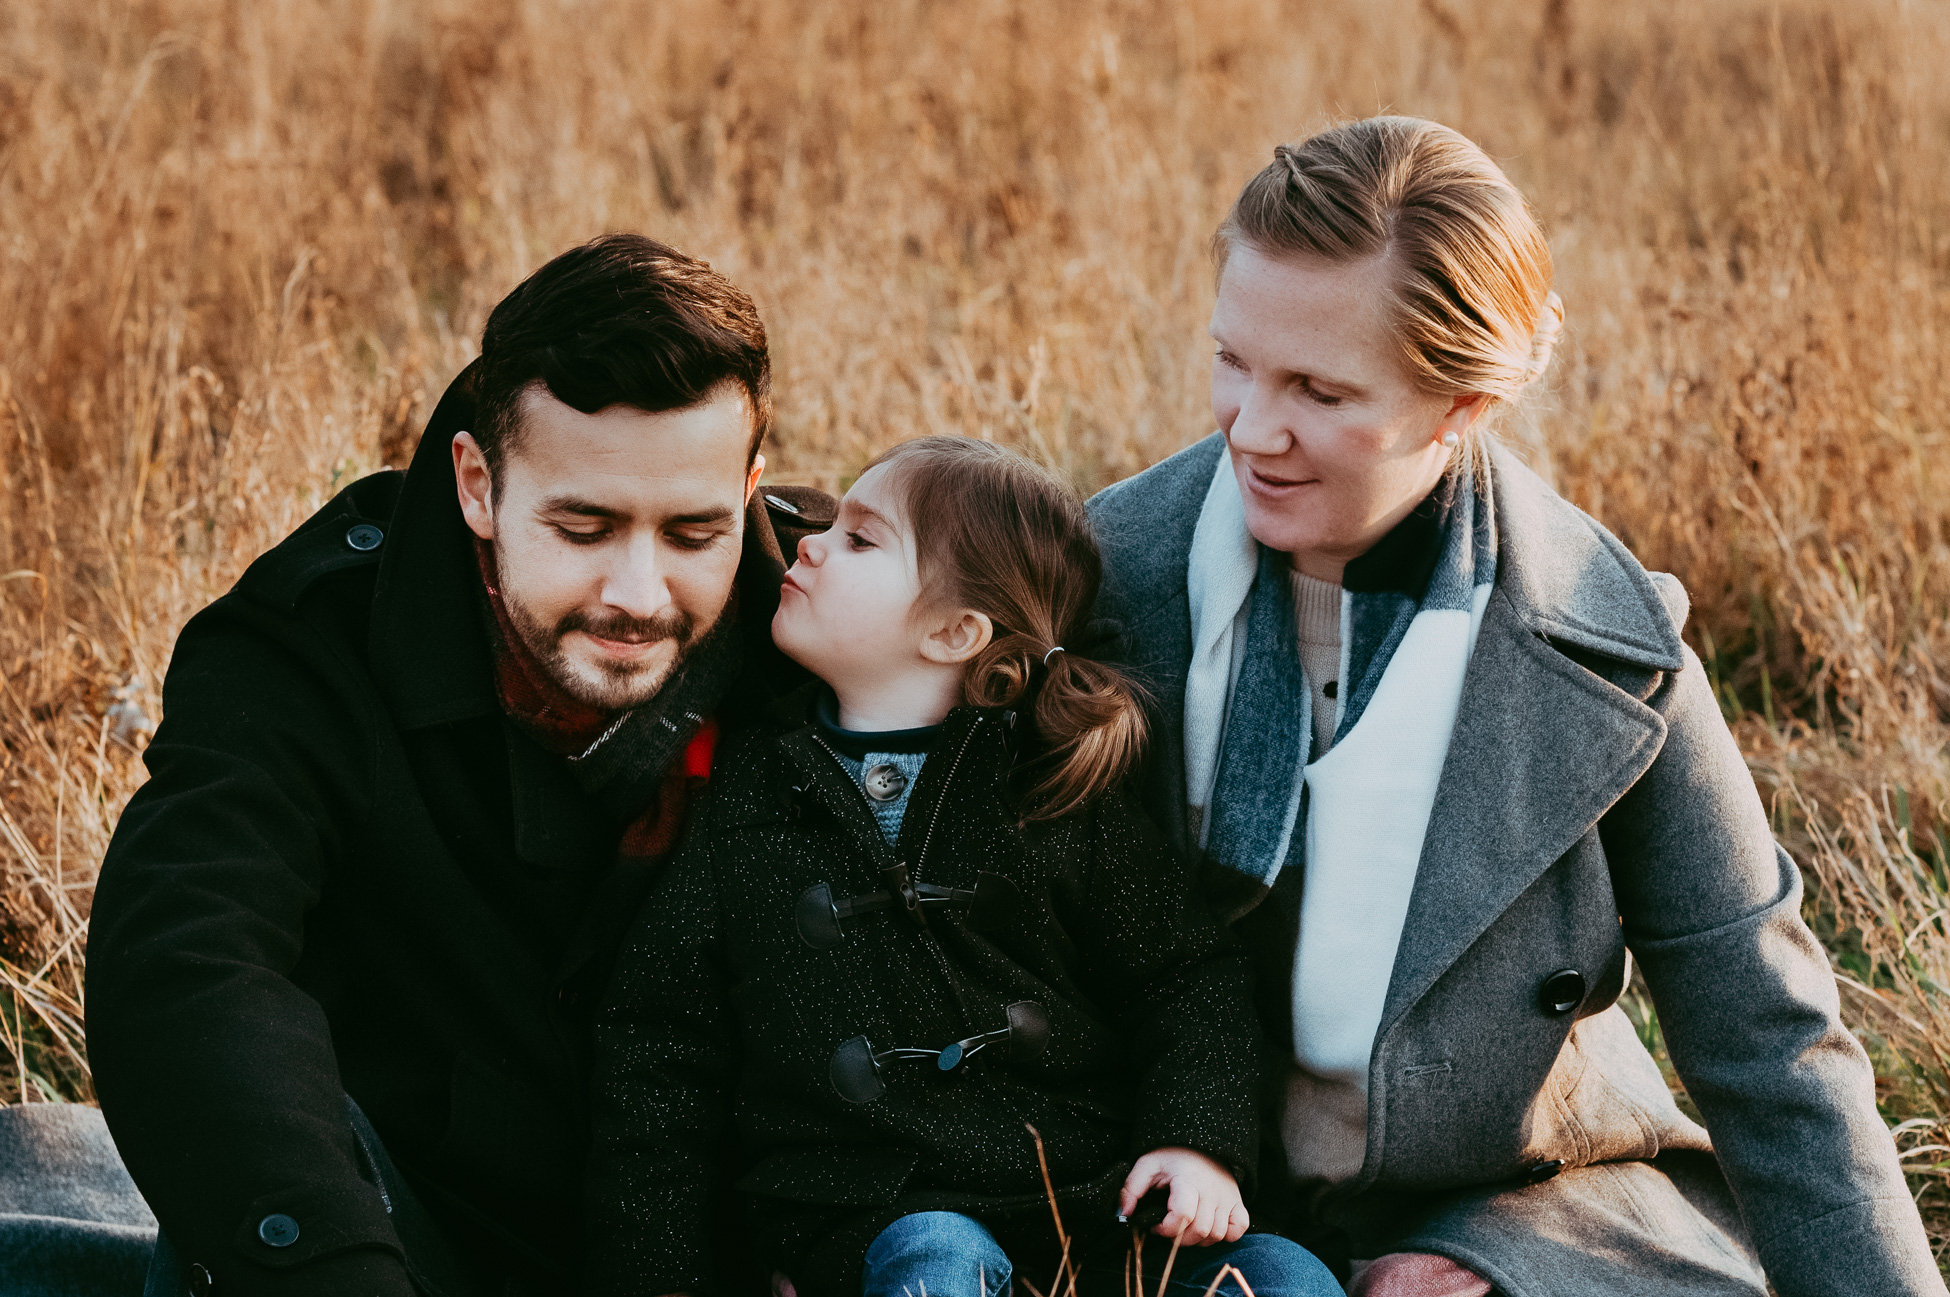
1449, 440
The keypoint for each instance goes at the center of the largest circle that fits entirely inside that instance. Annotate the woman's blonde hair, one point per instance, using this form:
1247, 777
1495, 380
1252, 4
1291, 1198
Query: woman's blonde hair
998, 535
1473, 305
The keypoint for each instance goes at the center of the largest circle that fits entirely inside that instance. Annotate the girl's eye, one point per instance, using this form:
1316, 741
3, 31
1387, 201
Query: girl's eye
1227, 359
854, 540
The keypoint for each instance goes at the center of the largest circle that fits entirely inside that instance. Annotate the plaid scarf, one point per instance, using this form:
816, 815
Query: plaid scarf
642, 765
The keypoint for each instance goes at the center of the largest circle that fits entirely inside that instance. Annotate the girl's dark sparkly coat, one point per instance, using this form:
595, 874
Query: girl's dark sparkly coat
722, 1012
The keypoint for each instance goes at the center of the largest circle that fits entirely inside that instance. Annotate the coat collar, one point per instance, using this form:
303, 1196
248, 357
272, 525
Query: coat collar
1570, 580
428, 641
1560, 575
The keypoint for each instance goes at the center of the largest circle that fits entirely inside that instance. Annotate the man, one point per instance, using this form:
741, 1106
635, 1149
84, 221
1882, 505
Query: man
414, 777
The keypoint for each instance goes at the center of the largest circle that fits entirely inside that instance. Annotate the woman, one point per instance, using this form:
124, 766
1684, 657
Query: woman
1435, 736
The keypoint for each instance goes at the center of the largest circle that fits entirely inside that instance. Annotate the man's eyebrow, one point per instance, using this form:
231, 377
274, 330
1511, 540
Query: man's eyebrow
580, 507
577, 505
702, 518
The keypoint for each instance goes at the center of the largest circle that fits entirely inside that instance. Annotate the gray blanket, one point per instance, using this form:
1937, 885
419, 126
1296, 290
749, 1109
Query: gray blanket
71, 1221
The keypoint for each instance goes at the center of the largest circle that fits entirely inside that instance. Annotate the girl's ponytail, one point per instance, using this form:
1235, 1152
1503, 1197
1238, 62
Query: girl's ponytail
1005, 538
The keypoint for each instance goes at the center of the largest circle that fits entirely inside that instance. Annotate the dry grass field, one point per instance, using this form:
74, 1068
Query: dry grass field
244, 244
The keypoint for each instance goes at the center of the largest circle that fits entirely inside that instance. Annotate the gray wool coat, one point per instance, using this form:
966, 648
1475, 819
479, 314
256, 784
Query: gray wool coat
1593, 803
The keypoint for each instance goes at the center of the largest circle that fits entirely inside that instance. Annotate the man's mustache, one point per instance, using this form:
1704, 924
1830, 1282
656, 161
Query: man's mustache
670, 624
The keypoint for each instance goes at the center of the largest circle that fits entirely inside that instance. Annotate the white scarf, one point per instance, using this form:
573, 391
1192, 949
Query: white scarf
1367, 799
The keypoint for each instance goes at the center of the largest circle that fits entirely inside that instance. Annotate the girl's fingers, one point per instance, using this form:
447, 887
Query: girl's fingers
1147, 1173
1211, 1221
1182, 1213
1237, 1223
1180, 1210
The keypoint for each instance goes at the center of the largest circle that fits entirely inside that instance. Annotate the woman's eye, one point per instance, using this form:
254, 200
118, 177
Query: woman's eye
1322, 398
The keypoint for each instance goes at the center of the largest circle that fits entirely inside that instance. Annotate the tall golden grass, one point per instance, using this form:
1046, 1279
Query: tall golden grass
244, 243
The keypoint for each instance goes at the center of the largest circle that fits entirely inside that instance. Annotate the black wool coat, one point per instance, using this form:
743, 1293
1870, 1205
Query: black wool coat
349, 874
722, 1012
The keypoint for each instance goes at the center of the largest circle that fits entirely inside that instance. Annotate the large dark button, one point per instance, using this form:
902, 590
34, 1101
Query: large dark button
884, 782
1332, 689
199, 1280
364, 537
1544, 1170
278, 1230
1562, 992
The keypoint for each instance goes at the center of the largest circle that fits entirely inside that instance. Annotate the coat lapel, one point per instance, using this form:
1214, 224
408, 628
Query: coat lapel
1542, 747
1144, 526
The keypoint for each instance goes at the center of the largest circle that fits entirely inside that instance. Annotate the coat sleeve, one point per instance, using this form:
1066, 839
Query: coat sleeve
1180, 989
215, 1070
665, 1067
1712, 910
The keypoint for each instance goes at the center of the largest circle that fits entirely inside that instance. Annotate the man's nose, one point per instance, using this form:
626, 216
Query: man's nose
637, 584
1258, 428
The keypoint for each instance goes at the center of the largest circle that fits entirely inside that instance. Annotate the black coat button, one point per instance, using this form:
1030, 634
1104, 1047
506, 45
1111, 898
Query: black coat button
364, 537
1332, 689
1562, 992
278, 1230
1544, 1171
199, 1280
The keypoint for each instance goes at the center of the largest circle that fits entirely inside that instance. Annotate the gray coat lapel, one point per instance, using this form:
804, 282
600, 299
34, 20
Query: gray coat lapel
1543, 747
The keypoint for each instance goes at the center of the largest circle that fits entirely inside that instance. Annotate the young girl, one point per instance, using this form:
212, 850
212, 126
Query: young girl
904, 933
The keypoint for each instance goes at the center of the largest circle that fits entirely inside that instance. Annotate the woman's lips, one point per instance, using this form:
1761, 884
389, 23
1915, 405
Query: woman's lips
1275, 485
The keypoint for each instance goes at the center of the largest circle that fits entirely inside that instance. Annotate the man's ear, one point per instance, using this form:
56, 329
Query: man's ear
751, 478
957, 637
474, 485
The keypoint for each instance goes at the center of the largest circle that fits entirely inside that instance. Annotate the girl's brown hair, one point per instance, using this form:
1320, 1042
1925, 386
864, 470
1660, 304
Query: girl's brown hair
998, 535
1473, 305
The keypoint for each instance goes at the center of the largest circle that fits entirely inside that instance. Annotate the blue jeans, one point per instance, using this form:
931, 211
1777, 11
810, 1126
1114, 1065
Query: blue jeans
945, 1254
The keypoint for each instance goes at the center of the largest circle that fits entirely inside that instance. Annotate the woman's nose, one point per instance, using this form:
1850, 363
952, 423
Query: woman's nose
1258, 428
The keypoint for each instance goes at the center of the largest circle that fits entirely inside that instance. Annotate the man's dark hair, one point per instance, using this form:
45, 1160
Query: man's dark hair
621, 320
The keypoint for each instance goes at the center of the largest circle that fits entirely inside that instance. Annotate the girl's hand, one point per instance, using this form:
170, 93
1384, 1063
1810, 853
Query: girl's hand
1205, 1205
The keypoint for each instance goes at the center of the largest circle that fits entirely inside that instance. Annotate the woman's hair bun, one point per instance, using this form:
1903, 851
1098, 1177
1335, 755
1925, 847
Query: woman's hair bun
1544, 341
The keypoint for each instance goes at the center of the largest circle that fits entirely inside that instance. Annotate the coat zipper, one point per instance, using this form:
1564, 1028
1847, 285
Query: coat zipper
929, 941
934, 820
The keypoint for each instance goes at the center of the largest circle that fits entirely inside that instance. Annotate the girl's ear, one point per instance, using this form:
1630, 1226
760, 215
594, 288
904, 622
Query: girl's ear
957, 637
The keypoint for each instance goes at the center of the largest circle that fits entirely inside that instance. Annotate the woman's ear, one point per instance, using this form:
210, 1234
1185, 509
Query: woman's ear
1463, 413
957, 637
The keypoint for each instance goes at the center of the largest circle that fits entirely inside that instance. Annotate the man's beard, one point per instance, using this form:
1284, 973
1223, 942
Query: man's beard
607, 686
